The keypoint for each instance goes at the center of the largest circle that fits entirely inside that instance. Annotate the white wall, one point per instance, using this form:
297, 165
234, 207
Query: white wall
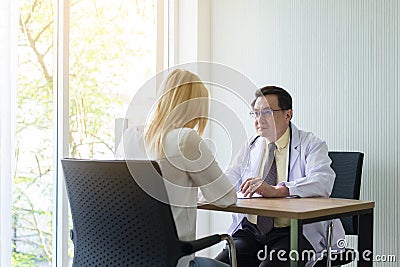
340, 61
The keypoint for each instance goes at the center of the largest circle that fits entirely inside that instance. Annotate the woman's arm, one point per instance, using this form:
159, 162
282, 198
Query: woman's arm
202, 167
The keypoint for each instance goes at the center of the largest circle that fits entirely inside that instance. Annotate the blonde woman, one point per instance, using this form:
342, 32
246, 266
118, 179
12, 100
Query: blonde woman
173, 136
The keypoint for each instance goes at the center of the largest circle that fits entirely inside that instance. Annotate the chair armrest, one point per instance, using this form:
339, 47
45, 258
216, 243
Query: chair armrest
189, 247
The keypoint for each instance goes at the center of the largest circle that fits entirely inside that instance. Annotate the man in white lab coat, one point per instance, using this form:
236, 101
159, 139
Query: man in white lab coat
301, 168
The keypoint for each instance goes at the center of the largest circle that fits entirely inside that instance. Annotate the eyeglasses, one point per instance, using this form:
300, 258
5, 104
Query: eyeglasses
266, 112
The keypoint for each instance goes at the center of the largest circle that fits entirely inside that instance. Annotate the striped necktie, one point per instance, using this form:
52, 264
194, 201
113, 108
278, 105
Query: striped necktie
265, 223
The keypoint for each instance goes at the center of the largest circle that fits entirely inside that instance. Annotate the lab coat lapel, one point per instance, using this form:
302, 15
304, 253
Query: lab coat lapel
294, 147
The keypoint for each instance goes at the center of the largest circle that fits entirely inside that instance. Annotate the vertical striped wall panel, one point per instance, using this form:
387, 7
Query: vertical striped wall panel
340, 61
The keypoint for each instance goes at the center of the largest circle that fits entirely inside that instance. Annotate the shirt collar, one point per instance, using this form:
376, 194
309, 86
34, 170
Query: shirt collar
283, 141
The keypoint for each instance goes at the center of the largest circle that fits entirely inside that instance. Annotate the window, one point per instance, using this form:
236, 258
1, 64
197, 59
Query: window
112, 53
34, 171
113, 50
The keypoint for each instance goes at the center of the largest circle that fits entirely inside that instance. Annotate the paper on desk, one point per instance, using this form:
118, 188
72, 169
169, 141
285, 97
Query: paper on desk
240, 195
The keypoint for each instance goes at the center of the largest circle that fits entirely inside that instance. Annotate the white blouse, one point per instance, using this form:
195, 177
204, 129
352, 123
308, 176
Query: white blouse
189, 165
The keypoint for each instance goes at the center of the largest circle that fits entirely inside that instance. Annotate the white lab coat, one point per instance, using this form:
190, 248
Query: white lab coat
310, 176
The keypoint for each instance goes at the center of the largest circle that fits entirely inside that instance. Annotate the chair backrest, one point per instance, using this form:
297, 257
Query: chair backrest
116, 223
348, 169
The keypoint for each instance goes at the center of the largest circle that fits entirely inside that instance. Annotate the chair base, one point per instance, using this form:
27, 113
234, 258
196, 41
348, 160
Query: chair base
338, 259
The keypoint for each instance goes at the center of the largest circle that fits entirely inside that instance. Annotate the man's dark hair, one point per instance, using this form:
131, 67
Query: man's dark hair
284, 98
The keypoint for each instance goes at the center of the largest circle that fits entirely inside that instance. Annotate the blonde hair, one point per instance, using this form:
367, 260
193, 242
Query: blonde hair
184, 103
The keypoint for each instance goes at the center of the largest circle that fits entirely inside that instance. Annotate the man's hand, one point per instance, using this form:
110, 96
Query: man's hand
250, 185
257, 185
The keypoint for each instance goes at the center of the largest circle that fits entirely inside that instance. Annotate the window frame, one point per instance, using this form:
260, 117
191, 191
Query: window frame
61, 102
9, 53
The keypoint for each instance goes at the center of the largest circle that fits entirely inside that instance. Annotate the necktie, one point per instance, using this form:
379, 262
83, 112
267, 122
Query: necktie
265, 223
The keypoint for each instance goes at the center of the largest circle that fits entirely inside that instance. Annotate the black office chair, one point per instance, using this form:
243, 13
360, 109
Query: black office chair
116, 223
348, 169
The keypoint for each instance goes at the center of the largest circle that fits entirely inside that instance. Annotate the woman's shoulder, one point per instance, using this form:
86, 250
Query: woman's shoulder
182, 139
182, 143
183, 130
184, 135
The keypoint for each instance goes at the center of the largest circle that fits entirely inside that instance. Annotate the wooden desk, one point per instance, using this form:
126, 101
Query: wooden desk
302, 211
